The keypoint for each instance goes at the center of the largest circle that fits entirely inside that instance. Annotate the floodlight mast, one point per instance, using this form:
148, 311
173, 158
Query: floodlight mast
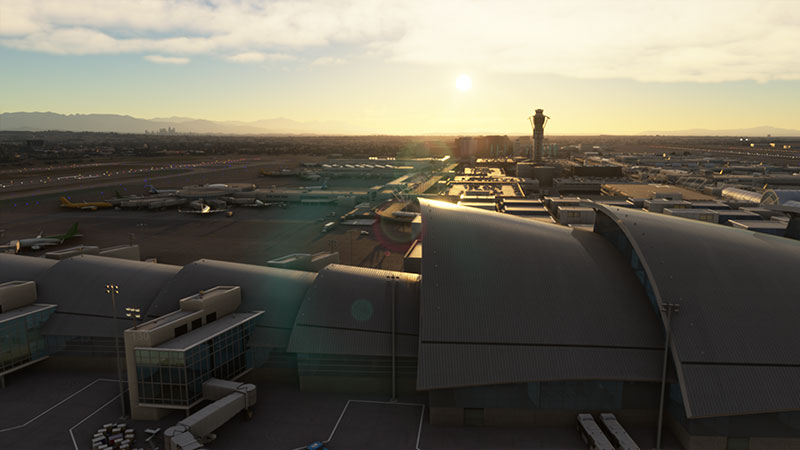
667, 308
113, 290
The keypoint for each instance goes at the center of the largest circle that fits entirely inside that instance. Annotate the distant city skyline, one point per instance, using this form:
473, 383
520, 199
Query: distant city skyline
372, 67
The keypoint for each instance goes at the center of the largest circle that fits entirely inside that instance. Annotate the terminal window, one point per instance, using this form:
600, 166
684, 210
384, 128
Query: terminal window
176, 377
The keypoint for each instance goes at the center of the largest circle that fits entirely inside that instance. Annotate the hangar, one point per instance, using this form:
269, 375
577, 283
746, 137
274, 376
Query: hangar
511, 321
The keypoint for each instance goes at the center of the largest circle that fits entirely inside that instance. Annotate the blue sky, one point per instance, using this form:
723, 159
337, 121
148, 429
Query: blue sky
389, 67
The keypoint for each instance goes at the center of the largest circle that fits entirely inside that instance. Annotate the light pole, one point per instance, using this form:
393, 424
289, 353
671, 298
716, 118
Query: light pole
133, 313
668, 308
113, 290
392, 282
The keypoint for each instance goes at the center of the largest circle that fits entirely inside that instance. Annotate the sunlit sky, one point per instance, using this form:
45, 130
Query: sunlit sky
390, 67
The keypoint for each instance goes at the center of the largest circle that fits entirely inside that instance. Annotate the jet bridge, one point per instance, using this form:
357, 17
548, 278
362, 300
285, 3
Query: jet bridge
230, 398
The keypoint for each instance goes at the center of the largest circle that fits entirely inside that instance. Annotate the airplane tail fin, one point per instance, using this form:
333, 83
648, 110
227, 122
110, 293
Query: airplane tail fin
152, 189
325, 184
73, 230
65, 202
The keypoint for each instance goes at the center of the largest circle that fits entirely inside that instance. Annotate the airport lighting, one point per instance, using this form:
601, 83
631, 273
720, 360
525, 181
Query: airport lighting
133, 313
113, 290
668, 308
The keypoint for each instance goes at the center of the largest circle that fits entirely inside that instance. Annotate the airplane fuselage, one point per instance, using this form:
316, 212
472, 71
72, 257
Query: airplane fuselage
36, 243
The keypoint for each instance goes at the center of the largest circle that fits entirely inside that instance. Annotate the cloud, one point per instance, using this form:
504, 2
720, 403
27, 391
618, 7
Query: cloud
253, 57
644, 40
159, 59
327, 61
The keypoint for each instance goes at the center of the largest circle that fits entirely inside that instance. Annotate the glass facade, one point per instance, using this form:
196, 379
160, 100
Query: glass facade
21, 341
176, 377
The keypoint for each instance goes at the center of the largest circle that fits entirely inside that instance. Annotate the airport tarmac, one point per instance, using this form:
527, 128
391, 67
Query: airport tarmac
58, 407
251, 235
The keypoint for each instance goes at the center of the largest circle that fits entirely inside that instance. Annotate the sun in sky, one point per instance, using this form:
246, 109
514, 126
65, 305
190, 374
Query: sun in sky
463, 82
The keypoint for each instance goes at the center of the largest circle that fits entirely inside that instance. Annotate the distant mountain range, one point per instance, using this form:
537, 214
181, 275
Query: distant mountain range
45, 121
762, 131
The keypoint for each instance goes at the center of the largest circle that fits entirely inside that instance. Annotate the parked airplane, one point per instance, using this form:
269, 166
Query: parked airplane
280, 173
205, 210
86, 206
200, 207
247, 201
40, 241
259, 204
321, 187
309, 175
153, 190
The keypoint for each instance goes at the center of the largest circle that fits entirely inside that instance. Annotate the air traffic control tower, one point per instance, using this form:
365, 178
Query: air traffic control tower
538, 122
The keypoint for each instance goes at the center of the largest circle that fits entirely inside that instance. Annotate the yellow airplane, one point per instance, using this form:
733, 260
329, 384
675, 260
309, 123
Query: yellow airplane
86, 206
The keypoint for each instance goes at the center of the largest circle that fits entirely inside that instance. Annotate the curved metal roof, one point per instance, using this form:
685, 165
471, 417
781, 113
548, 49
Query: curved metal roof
348, 311
78, 286
741, 194
539, 292
780, 196
738, 296
23, 268
277, 292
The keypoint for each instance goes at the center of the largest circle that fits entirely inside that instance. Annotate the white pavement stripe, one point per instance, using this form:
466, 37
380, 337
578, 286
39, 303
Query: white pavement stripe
75, 444
56, 405
419, 430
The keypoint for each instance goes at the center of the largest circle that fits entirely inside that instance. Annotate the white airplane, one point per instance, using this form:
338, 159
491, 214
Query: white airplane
259, 204
198, 207
40, 241
153, 190
321, 187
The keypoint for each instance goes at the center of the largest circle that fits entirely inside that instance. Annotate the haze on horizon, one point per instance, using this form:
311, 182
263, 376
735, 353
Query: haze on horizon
384, 67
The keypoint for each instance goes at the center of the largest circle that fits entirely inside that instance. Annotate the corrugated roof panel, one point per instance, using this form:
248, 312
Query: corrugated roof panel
270, 337
23, 268
359, 298
720, 390
61, 324
78, 284
277, 292
737, 290
333, 341
348, 310
461, 365
497, 279
735, 336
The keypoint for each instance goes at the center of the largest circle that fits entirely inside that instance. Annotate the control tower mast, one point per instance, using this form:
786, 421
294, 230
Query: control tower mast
538, 121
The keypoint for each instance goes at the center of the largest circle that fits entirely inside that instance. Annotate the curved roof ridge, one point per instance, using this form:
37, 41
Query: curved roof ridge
730, 284
533, 291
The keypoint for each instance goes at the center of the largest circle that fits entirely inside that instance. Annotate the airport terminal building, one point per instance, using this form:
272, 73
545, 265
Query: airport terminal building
511, 322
